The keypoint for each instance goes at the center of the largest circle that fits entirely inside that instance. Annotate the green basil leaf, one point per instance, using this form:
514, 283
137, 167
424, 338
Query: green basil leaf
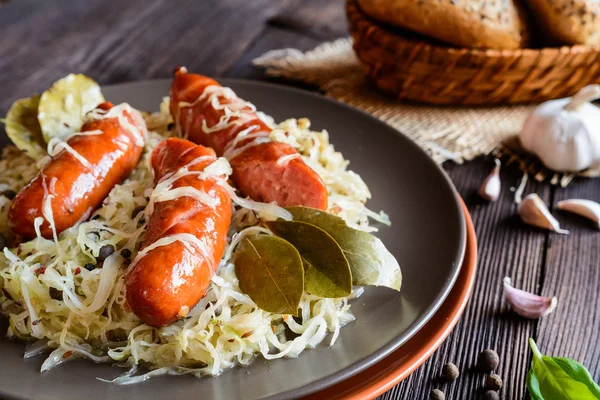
270, 271
23, 128
558, 378
326, 270
370, 262
533, 385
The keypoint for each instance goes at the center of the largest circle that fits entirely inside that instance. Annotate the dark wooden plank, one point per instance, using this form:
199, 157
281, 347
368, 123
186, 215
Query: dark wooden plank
115, 41
302, 25
30, 52
572, 274
272, 38
322, 20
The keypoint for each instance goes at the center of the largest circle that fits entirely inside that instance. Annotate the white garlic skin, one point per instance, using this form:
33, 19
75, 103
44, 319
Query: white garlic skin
564, 140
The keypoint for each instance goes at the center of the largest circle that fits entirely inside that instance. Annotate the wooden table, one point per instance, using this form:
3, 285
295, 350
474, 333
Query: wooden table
119, 41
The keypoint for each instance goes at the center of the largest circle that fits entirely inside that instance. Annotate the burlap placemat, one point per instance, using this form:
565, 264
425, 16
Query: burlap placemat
447, 133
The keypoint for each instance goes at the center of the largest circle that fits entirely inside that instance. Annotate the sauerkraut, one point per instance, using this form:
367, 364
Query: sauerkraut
57, 294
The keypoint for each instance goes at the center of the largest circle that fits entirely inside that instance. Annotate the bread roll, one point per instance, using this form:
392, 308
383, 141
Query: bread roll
496, 24
567, 22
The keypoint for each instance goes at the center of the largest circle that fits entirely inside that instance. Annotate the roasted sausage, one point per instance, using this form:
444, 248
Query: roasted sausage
78, 178
185, 238
264, 170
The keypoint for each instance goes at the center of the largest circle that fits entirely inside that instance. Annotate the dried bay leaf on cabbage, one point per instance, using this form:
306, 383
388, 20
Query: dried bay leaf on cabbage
270, 271
326, 269
63, 107
371, 263
23, 128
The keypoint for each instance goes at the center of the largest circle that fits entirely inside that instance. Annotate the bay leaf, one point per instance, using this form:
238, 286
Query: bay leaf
23, 128
270, 271
326, 269
370, 262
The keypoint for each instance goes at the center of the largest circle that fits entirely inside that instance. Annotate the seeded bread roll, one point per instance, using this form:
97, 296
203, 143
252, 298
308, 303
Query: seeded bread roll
568, 22
498, 24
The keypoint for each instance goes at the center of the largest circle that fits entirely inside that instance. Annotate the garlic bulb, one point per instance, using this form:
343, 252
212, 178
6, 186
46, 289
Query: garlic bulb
565, 133
527, 304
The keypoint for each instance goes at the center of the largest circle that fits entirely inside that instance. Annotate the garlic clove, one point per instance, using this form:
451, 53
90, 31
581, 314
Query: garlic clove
533, 211
527, 304
490, 188
586, 208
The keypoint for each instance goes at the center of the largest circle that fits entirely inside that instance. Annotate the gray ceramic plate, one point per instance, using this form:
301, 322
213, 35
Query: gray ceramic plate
427, 237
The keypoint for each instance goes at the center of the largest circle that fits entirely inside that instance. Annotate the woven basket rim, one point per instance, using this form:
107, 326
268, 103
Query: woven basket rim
354, 11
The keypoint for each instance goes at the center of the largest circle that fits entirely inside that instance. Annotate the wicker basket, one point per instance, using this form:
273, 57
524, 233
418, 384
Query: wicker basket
410, 68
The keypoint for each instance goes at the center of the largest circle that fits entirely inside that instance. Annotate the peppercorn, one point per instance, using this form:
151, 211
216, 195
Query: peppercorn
9, 194
488, 360
125, 253
137, 210
493, 382
90, 266
450, 372
437, 394
491, 395
55, 294
105, 251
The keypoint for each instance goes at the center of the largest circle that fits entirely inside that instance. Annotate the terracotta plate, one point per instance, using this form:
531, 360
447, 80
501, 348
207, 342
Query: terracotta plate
428, 236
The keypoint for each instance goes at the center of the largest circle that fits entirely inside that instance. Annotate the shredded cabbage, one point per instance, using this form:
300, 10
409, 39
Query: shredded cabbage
48, 294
